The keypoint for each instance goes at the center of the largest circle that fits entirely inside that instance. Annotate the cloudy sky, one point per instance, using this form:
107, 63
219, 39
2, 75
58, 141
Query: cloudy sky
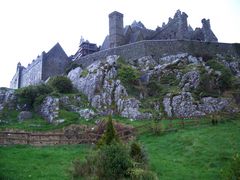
28, 27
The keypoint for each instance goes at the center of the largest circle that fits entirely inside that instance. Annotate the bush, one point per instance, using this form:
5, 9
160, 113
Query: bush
83, 169
127, 74
225, 81
137, 153
141, 174
29, 94
84, 73
113, 162
61, 84
71, 67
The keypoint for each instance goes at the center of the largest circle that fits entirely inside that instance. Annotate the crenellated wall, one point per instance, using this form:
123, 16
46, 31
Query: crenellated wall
160, 48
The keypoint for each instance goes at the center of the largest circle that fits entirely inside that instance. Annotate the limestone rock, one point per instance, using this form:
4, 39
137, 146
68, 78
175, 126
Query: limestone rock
7, 98
190, 80
210, 104
86, 113
167, 105
49, 109
101, 86
23, 115
183, 106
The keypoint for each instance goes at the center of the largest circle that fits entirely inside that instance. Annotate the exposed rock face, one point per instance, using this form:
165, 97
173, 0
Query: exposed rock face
100, 84
50, 109
210, 104
167, 105
190, 80
23, 115
182, 105
7, 98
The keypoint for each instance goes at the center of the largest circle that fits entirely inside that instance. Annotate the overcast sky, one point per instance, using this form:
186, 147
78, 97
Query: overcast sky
28, 27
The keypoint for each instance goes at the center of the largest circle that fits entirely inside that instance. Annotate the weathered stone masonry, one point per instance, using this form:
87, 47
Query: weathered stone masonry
46, 65
160, 48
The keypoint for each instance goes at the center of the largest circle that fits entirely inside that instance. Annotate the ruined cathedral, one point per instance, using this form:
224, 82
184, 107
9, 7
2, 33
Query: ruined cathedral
55, 61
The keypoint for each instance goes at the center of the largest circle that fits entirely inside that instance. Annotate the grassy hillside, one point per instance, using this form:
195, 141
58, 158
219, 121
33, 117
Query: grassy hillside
198, 153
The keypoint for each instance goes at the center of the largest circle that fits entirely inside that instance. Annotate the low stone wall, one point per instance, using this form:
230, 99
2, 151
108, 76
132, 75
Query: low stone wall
42, 139
160, 48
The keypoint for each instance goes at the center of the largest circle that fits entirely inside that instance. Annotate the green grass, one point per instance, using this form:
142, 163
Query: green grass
191, 153
198, 153
26, 162
39, 124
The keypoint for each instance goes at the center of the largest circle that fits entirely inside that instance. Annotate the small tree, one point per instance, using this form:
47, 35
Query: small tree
110, 135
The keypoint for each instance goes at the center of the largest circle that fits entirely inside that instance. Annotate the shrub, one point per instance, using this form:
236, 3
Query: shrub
61, 84
29, 94
71, 67
141, 174
110, 135
113, 162
83, 169
225, 80
127, 74
84, 73
137, 153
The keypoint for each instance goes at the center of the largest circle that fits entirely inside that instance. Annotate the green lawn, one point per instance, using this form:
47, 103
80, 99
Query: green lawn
198, 153
25, 162
195, 153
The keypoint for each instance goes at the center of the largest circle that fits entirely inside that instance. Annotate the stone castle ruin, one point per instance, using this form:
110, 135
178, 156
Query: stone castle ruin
44, 66
131, 42
176, 28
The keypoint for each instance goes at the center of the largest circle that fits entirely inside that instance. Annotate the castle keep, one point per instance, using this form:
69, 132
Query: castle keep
131, 42
44, 66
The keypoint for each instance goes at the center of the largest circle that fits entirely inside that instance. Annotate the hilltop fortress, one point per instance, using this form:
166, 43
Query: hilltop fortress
130, 42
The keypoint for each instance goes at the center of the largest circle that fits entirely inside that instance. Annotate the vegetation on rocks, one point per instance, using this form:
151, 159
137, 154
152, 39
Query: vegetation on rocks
61, 84
29, 95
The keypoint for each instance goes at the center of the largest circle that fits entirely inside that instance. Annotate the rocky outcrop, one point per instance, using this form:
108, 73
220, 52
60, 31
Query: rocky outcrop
7, 98
190, 80
50, 109
211, 105
182, 105
100, 84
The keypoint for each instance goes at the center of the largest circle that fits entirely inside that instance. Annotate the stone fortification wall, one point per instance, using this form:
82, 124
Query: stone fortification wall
32, 74
160, 48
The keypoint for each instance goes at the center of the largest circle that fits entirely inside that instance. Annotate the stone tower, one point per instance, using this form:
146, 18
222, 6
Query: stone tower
116, 37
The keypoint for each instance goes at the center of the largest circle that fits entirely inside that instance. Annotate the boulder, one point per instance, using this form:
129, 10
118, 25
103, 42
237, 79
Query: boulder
23, 115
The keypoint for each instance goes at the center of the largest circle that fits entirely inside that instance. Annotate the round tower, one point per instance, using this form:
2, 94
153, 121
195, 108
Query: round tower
116, 37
